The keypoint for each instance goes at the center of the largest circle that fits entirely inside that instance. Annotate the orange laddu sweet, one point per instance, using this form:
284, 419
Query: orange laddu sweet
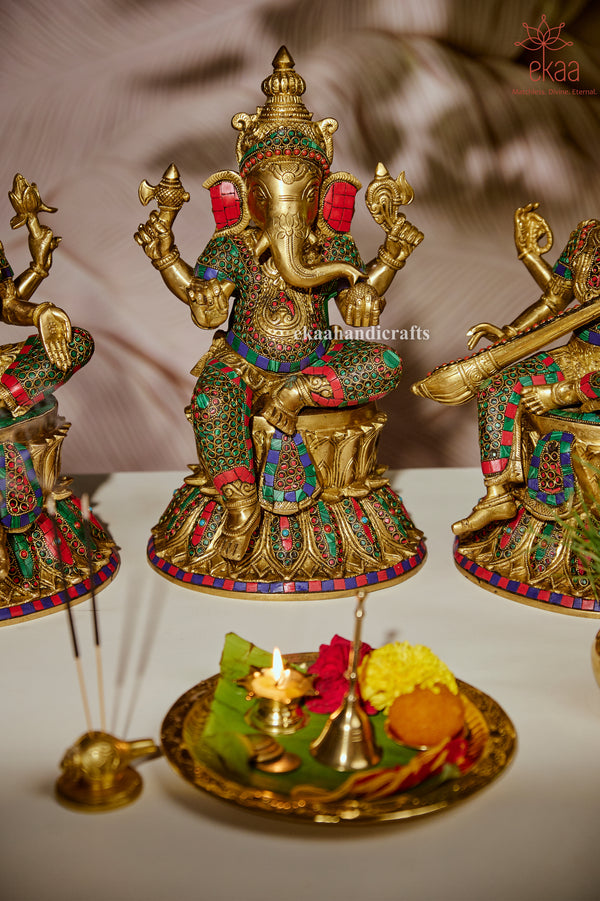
423, 717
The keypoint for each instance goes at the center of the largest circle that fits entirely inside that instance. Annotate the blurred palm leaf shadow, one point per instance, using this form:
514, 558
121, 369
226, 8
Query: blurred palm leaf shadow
424, 85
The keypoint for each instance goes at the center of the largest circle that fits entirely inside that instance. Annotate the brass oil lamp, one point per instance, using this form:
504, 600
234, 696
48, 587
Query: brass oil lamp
279, 691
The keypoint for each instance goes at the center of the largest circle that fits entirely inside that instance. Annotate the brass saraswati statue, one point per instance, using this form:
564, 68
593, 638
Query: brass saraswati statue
43, 560
539, 429
287, 497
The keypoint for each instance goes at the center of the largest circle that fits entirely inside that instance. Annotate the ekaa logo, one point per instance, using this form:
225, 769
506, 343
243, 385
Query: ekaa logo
546, 39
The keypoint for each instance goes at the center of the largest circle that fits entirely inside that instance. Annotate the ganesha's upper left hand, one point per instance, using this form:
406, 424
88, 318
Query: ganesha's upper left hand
402, 239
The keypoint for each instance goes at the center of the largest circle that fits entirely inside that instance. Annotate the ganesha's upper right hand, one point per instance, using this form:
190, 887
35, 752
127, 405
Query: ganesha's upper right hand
156, 238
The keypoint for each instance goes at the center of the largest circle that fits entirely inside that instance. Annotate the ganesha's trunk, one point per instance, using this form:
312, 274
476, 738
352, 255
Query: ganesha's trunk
287, 236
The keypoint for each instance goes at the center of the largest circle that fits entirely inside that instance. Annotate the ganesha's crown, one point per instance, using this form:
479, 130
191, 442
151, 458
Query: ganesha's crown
283, 90
283, 127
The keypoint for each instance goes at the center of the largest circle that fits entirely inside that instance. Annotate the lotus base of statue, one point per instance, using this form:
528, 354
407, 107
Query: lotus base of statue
538, 556
37, 580
329, 525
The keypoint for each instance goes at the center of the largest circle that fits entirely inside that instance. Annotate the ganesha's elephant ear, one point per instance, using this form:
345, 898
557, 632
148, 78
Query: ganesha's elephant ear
336, 207
228, 198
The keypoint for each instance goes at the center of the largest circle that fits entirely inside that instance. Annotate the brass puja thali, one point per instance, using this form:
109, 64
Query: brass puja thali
491, 743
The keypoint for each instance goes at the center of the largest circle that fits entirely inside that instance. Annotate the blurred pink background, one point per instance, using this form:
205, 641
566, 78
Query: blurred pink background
100, 94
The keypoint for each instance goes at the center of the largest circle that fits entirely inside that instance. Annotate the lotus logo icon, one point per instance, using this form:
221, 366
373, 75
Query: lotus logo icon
544, 38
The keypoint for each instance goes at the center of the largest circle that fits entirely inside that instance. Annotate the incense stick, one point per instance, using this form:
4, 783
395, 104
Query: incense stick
87, 531
153, 613
51, 508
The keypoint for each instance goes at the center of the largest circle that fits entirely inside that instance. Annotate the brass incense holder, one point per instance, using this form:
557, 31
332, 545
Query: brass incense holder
346, 742
96, 772
279, 691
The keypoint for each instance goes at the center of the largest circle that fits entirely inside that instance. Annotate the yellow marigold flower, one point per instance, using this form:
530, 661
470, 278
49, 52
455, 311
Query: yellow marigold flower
397, 669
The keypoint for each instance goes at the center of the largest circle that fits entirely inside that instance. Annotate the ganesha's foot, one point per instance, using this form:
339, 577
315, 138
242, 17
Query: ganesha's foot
236, 533
282, 407
242, 515
278, 414
494, 506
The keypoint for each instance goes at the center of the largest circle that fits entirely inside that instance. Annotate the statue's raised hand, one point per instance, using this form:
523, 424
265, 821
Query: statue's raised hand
530, 228
54, 328
209, 301
42, 241
402, 239
155, 237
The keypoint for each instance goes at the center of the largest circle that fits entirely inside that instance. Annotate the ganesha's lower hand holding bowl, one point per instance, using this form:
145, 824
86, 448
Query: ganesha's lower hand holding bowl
209, 301
361, 305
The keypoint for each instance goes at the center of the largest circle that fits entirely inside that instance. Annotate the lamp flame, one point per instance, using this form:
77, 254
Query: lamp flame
277, 665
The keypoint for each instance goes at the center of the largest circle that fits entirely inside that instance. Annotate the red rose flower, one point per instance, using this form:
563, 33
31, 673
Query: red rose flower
331, 667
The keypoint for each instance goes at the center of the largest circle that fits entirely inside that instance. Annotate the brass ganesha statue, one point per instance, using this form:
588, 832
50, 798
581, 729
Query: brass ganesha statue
539, 429
287, 496
42, 560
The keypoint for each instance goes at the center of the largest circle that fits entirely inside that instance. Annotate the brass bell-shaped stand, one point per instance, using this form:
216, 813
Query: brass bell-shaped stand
346, 743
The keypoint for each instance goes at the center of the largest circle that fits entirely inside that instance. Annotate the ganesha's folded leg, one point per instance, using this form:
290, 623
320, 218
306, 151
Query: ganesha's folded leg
348, 373
357, 372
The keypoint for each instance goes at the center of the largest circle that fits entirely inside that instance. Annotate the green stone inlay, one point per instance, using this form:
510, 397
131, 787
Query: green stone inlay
22, 555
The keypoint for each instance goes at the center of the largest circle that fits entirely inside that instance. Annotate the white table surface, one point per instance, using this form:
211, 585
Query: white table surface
532, 834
